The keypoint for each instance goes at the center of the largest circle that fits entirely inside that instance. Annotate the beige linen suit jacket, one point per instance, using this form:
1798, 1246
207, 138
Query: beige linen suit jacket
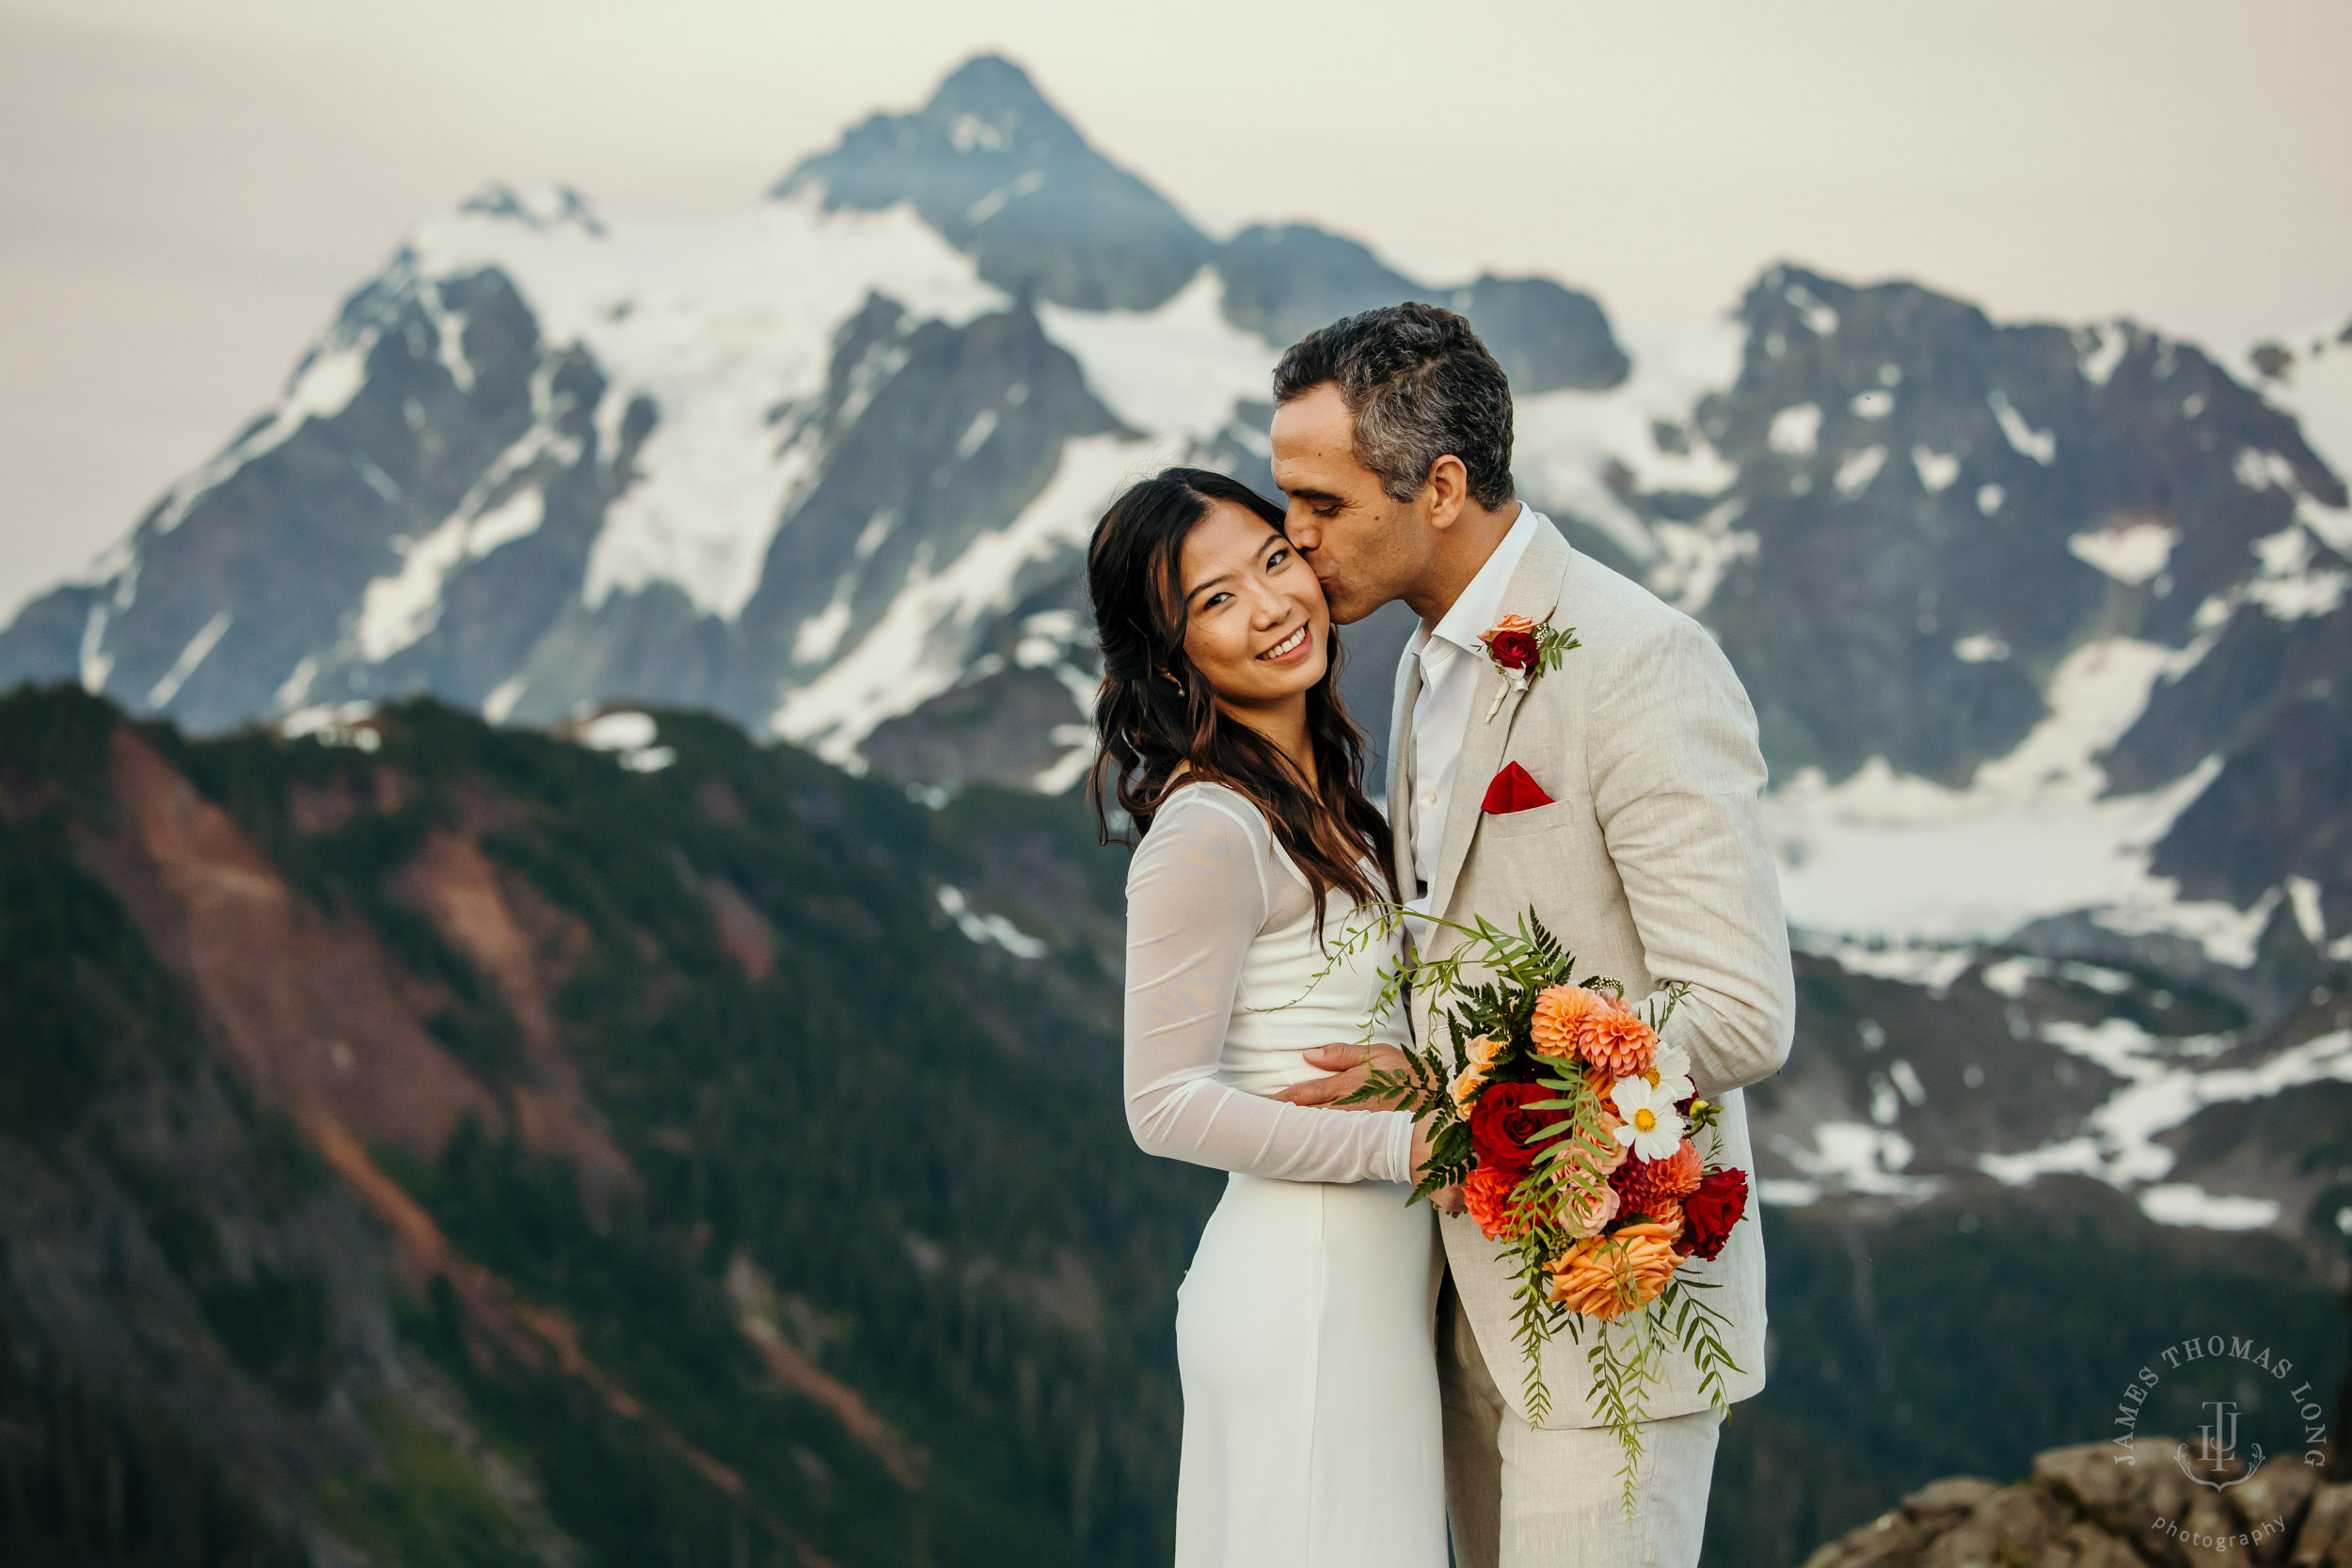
1651, 866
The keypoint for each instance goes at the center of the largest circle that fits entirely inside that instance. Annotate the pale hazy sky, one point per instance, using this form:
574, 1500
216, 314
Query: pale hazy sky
188, 188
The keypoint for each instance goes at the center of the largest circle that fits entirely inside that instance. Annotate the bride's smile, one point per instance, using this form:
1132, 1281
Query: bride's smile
1282, 652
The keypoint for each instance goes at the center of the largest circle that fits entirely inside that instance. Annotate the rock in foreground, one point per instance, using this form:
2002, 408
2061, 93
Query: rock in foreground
2081, 1509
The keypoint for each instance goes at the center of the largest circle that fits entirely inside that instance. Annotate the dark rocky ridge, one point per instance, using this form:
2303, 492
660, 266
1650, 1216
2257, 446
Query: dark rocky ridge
2081, 1509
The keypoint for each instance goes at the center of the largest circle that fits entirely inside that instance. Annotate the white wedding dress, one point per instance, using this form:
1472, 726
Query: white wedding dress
1303, 1329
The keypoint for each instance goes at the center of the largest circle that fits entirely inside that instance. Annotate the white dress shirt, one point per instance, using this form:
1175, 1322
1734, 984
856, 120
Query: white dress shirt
1450, 653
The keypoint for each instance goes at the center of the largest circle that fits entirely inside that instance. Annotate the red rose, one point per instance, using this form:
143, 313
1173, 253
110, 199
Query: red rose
1709, 1213
1513, 650
1503, 1130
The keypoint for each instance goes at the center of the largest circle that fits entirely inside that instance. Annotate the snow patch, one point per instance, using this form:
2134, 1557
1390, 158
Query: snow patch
1820, 318
821, 633
1062, 774
987, 929
629, 736
2310, 915
1174, 370
1795, 430
1980, 649
1888, 856
1695, 556
1936, 470
975, 434
1782, 1193
2101, 350
349, 725
2292, 582
1857, 1158
94, 662
2182, 1203
2040, 445
2129, 549
623, 731
1872, 404
501, 699
2160, 1092
1931, 968
198, 648
1856, 472
2259, 470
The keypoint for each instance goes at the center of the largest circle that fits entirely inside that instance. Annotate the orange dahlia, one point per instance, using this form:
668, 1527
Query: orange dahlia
1618, 1042
1624, 1272
1560, 1013
1486, 1194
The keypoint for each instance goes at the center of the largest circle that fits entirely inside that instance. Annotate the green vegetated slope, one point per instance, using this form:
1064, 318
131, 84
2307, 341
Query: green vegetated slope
472, 1151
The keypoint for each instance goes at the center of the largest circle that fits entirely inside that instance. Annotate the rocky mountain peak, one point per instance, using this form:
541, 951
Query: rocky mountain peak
1006, 178
540, 208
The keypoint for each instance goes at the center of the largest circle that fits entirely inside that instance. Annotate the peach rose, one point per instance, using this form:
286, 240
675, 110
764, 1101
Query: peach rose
1561, 1012
1590, 1215
1612, 1154
1607, 1277
1617, 1153
1484, 1053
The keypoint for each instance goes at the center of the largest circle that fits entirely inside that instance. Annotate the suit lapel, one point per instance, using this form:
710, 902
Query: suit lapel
1535, 593
1401, 771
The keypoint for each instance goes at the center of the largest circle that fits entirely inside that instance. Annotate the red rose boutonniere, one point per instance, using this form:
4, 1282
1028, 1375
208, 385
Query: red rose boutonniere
1523, 650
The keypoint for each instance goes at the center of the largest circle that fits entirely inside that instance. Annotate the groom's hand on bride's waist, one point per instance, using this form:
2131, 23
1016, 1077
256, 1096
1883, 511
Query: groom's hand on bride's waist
1346, 1066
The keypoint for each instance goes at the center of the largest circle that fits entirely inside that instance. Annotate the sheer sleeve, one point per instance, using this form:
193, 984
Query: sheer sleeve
1197, 896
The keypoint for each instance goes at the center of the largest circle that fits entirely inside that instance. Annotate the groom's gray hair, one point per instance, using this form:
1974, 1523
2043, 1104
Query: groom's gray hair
1420, 385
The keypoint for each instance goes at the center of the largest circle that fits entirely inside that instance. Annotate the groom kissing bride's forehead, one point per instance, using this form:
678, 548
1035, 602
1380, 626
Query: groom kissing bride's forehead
1565, 745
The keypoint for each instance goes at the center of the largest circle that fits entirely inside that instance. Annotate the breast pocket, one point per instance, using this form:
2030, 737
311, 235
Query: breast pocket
1520, 824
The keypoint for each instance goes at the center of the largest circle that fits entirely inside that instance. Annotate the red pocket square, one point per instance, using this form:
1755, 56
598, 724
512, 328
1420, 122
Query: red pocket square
1514, 790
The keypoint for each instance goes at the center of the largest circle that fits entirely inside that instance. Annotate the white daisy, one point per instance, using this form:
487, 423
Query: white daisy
1652, 1127
1670, 1073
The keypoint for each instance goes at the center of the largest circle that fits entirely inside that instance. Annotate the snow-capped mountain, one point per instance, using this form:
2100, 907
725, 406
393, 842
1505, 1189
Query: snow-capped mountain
2047, 626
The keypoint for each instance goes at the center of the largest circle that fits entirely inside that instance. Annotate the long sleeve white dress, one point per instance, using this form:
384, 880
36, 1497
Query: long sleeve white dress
1303, 1329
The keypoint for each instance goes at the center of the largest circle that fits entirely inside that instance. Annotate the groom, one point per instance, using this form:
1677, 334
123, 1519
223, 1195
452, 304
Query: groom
1392, 440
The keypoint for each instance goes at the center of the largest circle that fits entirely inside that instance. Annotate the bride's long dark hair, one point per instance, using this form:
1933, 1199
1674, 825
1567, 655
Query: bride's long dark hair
1157, 714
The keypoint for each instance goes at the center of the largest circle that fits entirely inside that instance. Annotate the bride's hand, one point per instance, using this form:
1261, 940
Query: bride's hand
1446, 1200
1348, 1066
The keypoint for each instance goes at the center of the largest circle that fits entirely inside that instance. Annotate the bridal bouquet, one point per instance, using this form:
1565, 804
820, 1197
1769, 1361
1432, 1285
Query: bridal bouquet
1571, 1129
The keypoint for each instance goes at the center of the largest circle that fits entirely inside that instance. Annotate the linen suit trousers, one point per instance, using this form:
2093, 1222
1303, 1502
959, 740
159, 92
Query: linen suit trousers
1522, 1497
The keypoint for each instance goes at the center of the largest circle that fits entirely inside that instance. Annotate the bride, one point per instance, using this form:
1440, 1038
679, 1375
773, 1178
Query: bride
1303, 1330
